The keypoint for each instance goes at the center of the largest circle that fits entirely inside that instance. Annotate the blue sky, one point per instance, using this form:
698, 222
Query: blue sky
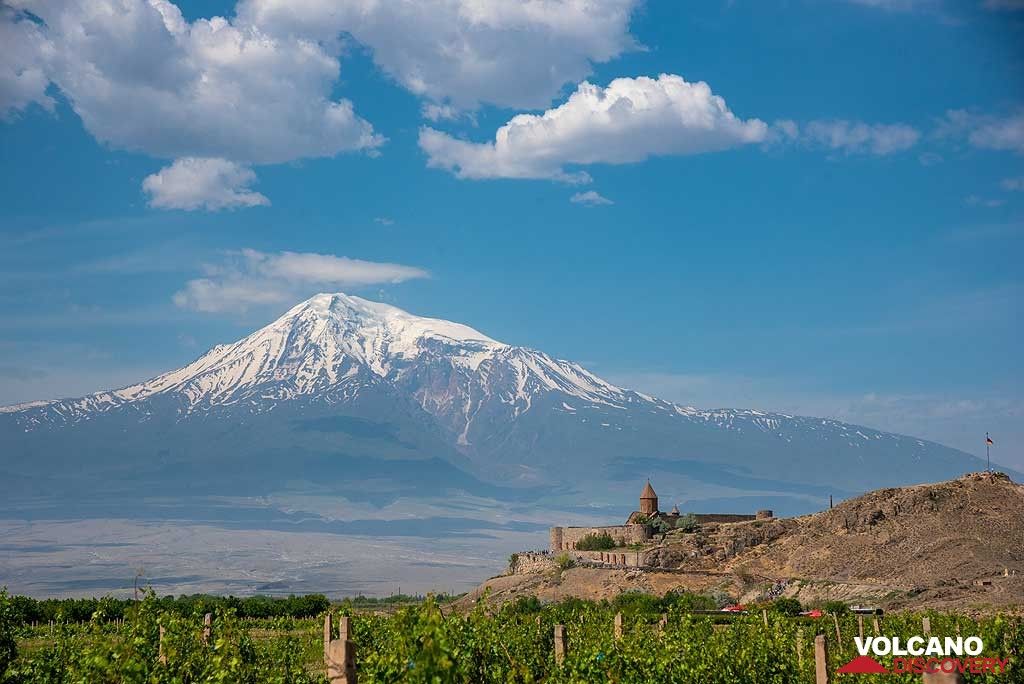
839, 235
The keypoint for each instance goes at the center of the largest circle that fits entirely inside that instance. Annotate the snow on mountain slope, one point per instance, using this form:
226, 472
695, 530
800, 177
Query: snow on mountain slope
332, 344
504, 413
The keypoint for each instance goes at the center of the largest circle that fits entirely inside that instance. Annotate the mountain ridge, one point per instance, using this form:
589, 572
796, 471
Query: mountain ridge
502, 413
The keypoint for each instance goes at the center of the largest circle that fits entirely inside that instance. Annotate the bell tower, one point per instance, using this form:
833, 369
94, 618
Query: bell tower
648, 500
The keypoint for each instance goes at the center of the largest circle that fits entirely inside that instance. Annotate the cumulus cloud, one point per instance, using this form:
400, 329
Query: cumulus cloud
1013, 184
590, 198
985, 131
143, 78
461, 53
630, 120
24, 63
251, 278
196, 183
852, 137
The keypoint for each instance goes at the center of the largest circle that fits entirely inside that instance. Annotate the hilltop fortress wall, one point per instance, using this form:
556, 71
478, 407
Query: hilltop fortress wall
566, 538
639, 528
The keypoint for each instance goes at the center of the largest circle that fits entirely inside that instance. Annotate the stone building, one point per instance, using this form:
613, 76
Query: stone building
641, 525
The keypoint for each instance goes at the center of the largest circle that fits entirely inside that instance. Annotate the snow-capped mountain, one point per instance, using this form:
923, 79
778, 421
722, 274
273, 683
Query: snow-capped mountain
339, 380
329, 346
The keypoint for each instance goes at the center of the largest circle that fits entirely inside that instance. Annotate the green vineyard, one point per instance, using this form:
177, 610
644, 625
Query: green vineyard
432, 643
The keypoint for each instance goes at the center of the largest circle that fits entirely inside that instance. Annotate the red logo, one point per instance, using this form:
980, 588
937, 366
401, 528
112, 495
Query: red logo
862, 665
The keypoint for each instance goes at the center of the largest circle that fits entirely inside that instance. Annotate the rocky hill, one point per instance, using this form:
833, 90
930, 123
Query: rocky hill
957, 544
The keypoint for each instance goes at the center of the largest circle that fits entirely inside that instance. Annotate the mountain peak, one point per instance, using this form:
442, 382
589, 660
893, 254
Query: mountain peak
386, 319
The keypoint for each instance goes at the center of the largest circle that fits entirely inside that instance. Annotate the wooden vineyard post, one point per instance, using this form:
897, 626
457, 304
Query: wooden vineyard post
860, 626
663, 623
340, 653
618, 626
800, 647
327, 634
559, 644
160, 655
207, 627
764, 616
876, 625
926, 626
344, 627
839, 636
820, 660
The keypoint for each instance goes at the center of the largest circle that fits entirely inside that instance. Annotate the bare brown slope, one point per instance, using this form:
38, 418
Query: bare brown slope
955, 545
967, 529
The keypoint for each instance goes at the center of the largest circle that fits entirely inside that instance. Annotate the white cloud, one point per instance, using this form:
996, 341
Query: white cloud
193, 183
1013, 184
857, 137
590, 198
24, 62
439, 112
461, 53
143, 78
985, 131
252, 278
384, 221
988, 203
630, 120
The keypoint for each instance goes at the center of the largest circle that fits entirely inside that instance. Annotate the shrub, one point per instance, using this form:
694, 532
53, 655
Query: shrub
596, 542
660, 526
8, 621
687, 523
787, 606
524, 605
564, 561
836, 608
636, 603
685, 600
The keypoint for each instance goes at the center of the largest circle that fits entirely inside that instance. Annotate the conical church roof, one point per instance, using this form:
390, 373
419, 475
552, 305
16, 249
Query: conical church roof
648, 492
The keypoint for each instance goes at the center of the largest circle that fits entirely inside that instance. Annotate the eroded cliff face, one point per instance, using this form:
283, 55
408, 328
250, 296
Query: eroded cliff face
715, 543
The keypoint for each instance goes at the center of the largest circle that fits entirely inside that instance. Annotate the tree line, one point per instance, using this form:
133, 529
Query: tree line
26, 610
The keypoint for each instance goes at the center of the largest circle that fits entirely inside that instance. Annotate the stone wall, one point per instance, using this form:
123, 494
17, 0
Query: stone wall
566, 538
535, 563
616, 557
722, 518
530, 562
